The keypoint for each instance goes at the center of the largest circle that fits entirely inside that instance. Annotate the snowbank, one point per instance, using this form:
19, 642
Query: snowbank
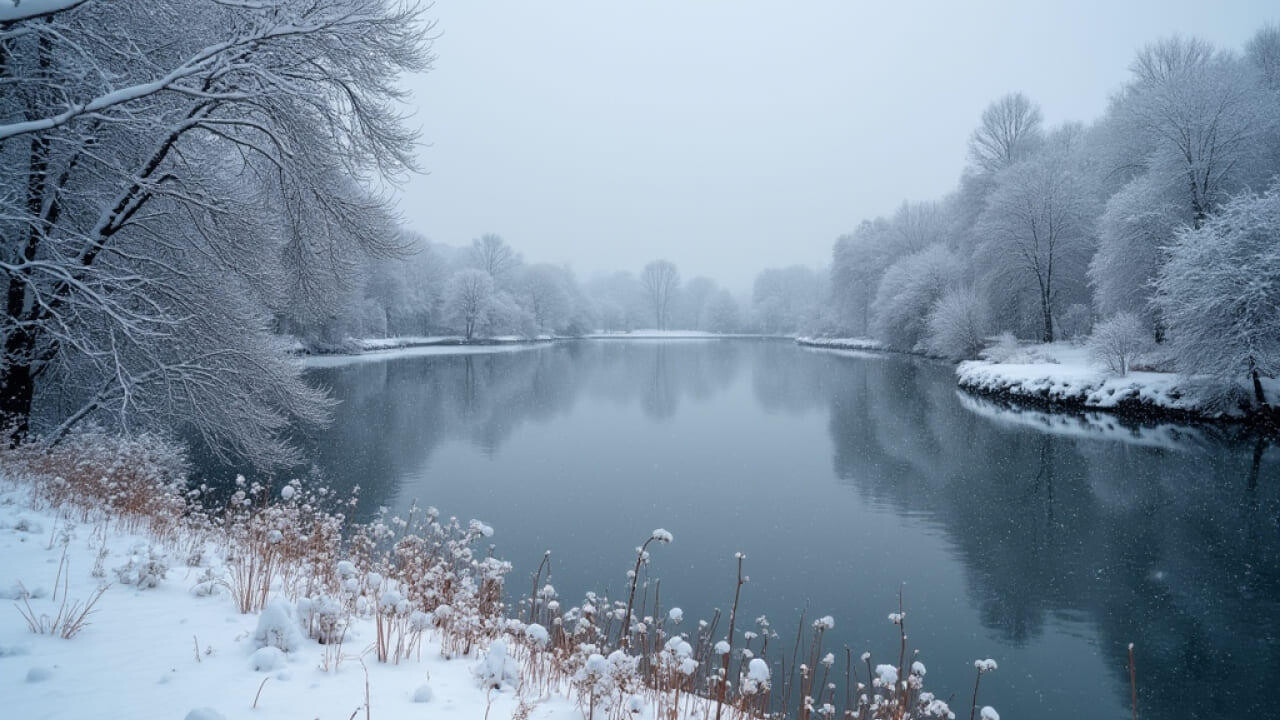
355, 346
854, 343
1061, 374
378, 349
1087, 424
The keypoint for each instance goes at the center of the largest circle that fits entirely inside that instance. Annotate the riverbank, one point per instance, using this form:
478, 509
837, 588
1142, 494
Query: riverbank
851, 343
359, 346
1063, 375
139, 596
354, 346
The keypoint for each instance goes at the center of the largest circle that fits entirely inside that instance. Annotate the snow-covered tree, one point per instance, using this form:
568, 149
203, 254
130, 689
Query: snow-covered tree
1118, 341
1201, 113
907, 294
1008, 133
493, 255
469, 300
857, 262
661, 282
1036, 229
691, 306
785, 300
723, 315
543, 290
1138, 221
1219, 293
957, 326
163, 195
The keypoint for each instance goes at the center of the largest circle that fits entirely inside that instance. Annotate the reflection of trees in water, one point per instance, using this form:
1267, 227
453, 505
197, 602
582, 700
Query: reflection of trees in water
1178, 552
393, 414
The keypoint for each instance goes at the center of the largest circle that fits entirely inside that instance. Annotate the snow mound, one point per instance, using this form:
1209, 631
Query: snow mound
266, 659
423, 694
205, 714
278, 627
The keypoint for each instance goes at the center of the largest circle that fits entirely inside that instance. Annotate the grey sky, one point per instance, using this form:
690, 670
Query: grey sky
733, 136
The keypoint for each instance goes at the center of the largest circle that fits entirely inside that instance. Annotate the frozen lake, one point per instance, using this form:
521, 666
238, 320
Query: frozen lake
1045, 542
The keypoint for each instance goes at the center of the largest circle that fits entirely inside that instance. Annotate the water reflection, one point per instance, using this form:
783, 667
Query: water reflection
1047, 541
1162, 535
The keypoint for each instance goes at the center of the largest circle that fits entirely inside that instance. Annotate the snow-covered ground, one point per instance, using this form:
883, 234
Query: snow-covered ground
1066, 374
181, 650
321, 361
163, 652
854, 343
407, 341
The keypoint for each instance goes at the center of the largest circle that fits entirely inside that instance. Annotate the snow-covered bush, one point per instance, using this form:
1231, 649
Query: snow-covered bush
1118, 341
1002, 348
497, 667
957, 325
278, 627
145, 568
325, 618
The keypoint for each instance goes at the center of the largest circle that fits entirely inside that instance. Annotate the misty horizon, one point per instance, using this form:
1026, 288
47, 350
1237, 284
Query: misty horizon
730, 138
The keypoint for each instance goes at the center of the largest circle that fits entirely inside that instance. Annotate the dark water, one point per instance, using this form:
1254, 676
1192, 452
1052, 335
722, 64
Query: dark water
1045, 542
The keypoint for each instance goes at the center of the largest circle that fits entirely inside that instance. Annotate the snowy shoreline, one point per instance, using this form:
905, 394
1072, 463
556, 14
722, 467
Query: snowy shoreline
379, 348
1059, 376
360, 346
265, 611
852, 343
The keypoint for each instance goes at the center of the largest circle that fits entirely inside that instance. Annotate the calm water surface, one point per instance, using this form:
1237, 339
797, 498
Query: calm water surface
1045, 542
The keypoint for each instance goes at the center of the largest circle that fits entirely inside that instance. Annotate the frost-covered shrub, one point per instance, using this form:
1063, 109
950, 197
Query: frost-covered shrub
278, 627
1118, 341
1002, 348
1005, 348
497, 667
604, 684
145, 568
957, 326
325, 618
208, 583
139, 481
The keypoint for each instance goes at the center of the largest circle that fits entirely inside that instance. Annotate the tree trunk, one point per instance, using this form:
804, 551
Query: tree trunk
1046, 308
17, 385
1258, 394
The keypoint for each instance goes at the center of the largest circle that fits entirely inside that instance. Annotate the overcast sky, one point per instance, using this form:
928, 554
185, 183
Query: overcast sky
732, 136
